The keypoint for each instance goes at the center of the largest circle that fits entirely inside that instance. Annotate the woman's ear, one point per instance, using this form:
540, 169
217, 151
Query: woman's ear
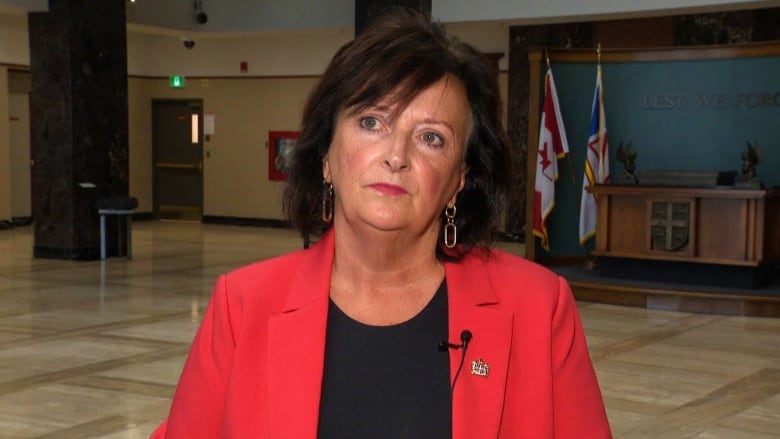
463, 173
461, 185
325, 170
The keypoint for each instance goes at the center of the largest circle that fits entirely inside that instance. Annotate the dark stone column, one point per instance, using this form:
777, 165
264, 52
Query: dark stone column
714, 28
367, 10
521, 40
727, 27
766, 24
78, 106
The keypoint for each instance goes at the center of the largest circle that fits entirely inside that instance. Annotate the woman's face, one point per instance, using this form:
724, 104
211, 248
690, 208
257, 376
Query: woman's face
398, 174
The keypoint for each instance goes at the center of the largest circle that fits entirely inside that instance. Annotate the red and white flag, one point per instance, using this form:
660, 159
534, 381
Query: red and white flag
552, 146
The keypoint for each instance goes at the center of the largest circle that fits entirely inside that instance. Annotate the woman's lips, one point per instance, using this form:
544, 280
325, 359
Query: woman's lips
388, 189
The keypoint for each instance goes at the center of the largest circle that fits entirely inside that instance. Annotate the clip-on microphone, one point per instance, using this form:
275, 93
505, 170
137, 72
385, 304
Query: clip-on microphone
465, 338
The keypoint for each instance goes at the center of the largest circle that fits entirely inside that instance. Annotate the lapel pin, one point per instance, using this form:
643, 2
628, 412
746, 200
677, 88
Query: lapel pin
480, 368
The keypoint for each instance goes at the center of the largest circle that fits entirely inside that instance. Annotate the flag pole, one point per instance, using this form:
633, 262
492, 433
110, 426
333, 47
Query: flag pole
547, 58
573, 182
598, 54
568, 156
598, 64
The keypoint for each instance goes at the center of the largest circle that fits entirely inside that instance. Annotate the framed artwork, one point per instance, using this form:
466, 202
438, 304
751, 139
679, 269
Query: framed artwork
280, 146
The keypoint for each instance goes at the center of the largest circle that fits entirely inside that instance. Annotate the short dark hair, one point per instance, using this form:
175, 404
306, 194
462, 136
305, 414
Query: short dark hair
403, 52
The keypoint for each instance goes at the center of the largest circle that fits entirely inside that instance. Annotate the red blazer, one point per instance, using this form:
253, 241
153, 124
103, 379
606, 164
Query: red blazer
255, 366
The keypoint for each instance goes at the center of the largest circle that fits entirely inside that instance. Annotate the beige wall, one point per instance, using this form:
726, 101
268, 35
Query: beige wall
278, 54
235, 173
139, 121
236, 180
236, 157
283, 67
245, 108
284, 54
14, 47
270, 98
5, 149
19, 138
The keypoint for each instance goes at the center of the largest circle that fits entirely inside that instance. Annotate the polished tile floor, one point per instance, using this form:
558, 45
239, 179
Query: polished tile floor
93, 350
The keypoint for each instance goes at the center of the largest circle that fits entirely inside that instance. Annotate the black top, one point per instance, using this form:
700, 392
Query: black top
387, 381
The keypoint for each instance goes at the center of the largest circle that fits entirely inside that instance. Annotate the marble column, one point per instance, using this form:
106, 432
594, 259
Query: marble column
78, 114
727, 27
766, 26
367, 10
521, 40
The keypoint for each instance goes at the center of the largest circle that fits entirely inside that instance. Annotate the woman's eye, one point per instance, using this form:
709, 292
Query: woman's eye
369, 123
432, 139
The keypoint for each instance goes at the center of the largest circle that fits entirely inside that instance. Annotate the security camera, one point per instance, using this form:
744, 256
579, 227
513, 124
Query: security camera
188, 44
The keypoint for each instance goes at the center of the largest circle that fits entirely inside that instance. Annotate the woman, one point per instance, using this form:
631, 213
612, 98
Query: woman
398, 323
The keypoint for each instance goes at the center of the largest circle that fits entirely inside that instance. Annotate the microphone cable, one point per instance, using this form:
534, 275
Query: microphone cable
465, 338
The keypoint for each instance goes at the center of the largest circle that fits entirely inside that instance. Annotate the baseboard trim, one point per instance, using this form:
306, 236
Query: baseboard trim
21, 221
143, 216
566, 261
677, 300
75, 254
241, 221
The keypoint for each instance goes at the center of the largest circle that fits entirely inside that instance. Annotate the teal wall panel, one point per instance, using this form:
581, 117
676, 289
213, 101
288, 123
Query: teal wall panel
692, 115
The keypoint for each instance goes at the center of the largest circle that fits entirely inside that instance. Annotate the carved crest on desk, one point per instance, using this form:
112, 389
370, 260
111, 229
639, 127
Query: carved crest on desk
670, 225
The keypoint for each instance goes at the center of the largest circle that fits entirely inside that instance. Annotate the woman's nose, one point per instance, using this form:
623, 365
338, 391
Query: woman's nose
397, 158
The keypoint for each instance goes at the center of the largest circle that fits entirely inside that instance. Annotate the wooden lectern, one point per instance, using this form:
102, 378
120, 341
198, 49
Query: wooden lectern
693, 235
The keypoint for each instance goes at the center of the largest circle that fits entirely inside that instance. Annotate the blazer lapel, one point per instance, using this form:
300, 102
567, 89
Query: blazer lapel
296, 347
478, 394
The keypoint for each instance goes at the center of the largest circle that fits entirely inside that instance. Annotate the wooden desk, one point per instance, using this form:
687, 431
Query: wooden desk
735, 227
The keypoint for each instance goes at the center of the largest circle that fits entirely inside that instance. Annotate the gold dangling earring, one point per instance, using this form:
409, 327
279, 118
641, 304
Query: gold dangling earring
327, 204
450, 230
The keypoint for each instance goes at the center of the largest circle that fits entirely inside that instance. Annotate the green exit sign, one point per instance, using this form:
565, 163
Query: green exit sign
176, 81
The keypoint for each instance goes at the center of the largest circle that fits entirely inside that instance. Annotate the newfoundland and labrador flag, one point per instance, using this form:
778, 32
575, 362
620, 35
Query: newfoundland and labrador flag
552, 146
597, 163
